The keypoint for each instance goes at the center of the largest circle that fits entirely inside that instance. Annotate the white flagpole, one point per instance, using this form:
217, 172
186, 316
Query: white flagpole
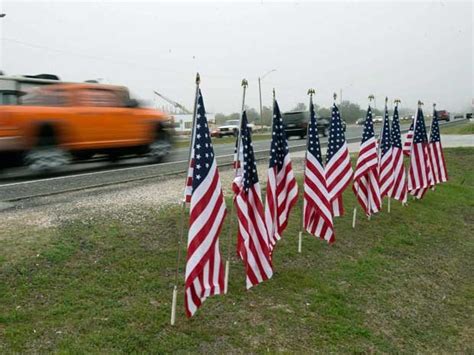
183, 208
300, 237
236, 168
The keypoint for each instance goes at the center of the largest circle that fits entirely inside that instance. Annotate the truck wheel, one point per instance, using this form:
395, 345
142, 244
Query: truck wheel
160, 147
46, 155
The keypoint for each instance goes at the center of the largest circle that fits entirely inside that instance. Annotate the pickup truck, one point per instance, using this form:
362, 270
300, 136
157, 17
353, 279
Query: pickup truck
230, 128
56, 123
296, 124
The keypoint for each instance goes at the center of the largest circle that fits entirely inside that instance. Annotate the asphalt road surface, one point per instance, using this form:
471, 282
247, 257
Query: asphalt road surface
177, 155
19, 184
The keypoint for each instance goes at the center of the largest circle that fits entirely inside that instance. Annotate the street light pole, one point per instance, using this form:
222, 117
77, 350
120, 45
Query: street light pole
260, 92
260, 96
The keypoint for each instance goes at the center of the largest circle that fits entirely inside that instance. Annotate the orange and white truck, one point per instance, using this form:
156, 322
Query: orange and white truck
52, 124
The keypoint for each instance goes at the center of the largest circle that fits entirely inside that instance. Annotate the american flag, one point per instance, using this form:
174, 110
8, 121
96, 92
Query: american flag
282, 190
385, 158
399, 187
437, 161
338, 163
252, 240
420, 176
204, 268
188, 190
317, 213
366, 177
409, 139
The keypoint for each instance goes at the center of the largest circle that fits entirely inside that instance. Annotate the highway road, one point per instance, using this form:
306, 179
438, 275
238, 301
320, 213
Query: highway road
18, 184
177, 155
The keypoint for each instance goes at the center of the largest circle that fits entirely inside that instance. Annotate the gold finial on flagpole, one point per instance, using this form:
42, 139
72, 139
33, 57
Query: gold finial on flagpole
311, 92
371, 97
245, 83
198, 79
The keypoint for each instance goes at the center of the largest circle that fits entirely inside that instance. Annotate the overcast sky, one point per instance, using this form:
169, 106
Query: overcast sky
421, 50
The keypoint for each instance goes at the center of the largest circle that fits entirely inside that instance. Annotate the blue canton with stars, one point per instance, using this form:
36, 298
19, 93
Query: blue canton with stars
368, 126
314, 147
203, 151
279, 146
419, 136
337, 137
396, 134
385, 143
434, 135
250, 174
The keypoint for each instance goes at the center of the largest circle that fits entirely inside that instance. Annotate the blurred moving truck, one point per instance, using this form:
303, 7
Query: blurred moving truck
52, 124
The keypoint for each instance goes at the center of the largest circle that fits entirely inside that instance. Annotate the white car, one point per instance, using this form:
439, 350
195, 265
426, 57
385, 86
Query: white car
230, 128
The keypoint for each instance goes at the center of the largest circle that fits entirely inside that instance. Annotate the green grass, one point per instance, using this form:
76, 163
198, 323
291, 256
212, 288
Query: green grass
402, 282
223, 140
464, 128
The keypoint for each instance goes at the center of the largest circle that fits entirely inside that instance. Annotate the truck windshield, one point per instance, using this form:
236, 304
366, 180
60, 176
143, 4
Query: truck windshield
44, 98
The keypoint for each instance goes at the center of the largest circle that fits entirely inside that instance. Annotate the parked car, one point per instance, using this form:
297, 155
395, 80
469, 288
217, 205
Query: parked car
230, 128
444, 115
57, 121
469, 116
378, 119
296, 124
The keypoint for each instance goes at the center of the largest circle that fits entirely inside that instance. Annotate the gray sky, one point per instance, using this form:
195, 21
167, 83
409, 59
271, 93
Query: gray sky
410, 50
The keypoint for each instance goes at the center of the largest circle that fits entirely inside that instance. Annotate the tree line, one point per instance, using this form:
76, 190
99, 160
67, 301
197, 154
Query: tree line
350, 112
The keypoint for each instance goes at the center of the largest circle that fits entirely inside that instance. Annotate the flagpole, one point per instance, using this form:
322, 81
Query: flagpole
311, 92
354, 215
244, 85
183, 207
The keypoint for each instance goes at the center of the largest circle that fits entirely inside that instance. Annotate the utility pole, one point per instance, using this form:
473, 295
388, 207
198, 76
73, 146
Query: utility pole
260, 92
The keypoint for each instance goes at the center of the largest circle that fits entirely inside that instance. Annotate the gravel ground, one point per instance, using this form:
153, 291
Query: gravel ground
129, 202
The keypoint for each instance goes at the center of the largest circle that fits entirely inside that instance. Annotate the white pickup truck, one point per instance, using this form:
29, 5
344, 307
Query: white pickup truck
230, 128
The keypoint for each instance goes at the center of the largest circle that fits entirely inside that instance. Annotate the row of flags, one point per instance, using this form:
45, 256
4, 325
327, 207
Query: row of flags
379, 172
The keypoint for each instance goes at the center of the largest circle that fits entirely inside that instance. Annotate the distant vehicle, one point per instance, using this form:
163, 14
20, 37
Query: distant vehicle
360, 121
55, 122
230, 128
378, 119
444, 115
469, 116
296, 124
